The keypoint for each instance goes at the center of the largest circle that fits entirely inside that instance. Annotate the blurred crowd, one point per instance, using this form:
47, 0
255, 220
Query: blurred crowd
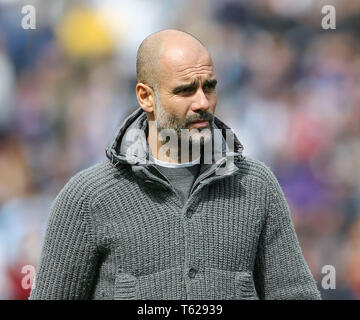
288, 88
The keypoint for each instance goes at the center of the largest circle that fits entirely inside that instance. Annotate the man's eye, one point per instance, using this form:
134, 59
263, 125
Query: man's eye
187, 91
209, 88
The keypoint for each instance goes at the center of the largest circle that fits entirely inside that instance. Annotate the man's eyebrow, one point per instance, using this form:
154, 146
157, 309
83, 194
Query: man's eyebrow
210, 83
193, 86
185, 87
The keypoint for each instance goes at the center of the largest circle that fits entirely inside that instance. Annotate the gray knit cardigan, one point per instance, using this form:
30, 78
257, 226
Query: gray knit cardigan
118, 230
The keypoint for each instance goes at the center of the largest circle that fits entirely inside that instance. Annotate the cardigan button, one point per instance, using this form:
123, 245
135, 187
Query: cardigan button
189, 213
192, 273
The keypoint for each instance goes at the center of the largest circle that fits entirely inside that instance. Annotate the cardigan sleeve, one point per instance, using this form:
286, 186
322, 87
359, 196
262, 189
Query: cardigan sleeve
281, 271
68, 258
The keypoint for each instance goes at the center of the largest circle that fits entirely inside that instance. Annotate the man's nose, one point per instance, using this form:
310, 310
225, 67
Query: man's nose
201, 102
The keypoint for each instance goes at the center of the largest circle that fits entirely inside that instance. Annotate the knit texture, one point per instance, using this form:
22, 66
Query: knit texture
119, 231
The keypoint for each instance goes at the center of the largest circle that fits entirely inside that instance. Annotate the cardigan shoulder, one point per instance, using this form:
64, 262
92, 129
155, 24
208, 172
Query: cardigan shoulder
257, 169
90, 182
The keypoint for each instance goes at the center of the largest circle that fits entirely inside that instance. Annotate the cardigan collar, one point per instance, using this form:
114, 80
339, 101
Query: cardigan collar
130, 147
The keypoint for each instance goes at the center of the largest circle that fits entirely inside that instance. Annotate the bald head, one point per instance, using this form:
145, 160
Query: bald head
162, 45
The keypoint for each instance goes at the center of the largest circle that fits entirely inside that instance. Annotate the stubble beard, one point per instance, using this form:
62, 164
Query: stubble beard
166, 121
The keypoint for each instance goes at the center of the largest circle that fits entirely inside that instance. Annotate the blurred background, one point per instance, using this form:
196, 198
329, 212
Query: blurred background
288, 88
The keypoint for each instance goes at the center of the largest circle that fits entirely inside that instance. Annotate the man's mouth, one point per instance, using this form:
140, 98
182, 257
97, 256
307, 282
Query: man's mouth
200, 123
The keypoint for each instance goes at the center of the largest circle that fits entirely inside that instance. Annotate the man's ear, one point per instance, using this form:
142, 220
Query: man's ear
145, 97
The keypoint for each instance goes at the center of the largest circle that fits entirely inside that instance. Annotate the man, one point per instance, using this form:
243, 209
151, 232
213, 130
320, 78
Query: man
160, 218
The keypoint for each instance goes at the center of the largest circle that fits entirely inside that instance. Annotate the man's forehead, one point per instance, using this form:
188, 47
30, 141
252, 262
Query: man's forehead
183, 65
